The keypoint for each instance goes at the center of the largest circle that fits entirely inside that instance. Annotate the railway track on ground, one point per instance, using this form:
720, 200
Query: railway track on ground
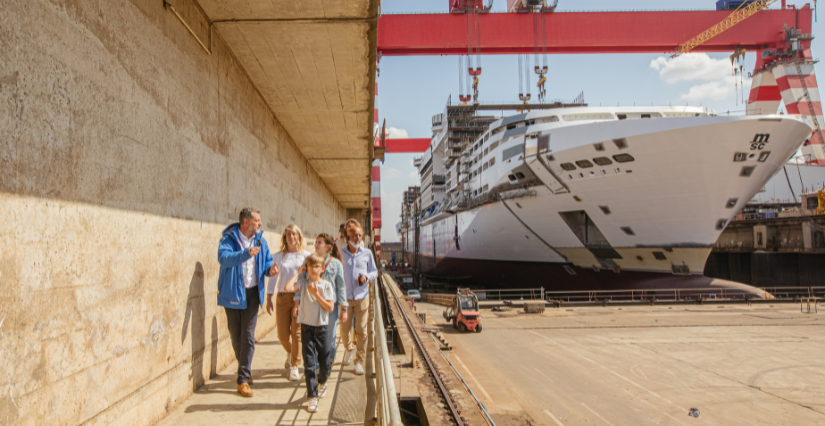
391, 297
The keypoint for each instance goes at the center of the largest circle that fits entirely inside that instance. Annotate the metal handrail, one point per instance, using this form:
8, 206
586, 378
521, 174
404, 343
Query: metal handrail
387, 411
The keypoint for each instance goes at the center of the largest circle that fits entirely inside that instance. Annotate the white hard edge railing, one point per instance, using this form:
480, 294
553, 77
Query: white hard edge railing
387, 412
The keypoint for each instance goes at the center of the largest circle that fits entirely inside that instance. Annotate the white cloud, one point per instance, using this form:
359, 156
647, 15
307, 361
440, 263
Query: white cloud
414, 175
691, 67
396, 133
390, 173
717, 73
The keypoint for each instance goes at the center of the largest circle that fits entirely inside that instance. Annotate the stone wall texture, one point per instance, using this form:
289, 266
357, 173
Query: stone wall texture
125, 149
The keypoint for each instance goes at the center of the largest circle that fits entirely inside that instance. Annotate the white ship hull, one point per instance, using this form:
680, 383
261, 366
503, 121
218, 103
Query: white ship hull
649, 222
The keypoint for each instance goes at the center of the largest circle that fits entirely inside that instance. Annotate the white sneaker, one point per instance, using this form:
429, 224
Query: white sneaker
322, 390
359, 370
293, 374
348, 356
312, 405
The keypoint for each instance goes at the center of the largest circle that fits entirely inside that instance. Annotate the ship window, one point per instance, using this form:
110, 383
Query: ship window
645, 115
731, 203
569, 270
486, 137
659, 255
497, 131
568, 166
764, 156
623, 158
493, 145
813, 203
511, 177
599, 146
520, 175
620, 143
486, 150
551, 158
485, 166
492, 161
605, 209
622, 116
627, 230
486, 187
747, 171
739, 157
584, 164
602, 161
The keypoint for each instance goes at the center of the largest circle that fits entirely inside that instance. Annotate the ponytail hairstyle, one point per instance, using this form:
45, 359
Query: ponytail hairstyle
328, 240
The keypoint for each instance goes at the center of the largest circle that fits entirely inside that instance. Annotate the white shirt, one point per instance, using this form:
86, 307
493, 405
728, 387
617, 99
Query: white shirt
249, 278
288, 264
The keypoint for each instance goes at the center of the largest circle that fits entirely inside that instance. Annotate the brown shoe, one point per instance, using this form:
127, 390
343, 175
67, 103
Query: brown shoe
244, 390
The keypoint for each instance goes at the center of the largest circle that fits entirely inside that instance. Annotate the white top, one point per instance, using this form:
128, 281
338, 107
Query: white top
311, 312
288, 264
249, 278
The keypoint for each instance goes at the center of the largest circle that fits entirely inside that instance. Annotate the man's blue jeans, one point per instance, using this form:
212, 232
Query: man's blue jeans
331, 334
316, 353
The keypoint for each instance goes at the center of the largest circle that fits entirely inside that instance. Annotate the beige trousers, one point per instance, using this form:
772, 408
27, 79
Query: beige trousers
289, 331
358, 310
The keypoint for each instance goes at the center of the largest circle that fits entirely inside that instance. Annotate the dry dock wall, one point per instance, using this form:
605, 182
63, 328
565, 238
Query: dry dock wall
124, 151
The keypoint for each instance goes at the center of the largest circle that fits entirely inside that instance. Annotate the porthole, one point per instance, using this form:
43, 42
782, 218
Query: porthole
747, 171
623, 158
520, 175
584, 164
568, 166
603, 161
511, 177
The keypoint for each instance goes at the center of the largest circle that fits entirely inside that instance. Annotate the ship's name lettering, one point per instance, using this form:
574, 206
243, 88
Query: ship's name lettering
759, 141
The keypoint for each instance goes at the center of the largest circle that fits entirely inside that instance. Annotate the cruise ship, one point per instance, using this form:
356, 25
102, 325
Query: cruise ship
572, 197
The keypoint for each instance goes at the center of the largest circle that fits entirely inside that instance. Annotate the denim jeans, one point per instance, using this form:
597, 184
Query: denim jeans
242, 324
316, 353
332, 327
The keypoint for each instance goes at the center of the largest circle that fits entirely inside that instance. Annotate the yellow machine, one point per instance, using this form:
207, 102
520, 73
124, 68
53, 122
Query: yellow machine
821, 195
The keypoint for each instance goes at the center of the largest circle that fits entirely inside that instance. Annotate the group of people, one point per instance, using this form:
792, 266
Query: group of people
311, 292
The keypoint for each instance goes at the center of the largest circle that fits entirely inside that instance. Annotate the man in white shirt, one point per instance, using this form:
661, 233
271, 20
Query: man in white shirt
359, 269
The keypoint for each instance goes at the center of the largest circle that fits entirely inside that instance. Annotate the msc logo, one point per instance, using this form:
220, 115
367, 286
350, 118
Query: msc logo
759, 141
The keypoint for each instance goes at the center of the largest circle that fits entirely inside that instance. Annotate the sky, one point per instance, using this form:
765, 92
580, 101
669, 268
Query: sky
412, 89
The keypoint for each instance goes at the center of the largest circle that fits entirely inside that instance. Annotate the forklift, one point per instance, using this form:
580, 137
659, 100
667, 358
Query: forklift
464, 313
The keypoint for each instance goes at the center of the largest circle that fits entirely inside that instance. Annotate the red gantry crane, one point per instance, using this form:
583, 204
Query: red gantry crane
780, 38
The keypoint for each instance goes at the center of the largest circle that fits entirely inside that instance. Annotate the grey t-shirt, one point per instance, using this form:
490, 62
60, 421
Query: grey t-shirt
311, 312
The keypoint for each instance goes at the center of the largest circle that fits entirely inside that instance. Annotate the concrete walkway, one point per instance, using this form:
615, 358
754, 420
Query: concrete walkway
277, 401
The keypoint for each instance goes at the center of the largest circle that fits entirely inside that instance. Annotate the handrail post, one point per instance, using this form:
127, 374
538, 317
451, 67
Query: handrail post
387, 408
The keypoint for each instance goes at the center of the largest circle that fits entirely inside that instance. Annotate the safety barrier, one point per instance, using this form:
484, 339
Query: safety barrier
488, 294
386, 409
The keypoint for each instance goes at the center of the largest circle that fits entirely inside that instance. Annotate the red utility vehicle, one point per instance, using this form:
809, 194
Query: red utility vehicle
464, 313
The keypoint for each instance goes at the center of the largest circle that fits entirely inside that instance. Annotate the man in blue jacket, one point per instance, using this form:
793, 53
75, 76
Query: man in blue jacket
245, 261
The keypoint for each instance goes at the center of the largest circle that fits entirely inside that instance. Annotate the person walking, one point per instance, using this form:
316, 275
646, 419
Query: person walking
288, 260
334, 274
313, 315
245, 260
359, 268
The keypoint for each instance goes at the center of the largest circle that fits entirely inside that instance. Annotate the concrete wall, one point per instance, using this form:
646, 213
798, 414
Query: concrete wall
124, 151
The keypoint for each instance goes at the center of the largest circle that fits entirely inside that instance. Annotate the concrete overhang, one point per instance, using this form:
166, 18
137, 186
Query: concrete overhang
313, 62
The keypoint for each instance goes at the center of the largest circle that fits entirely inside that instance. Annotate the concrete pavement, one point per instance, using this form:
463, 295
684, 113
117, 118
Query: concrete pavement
277, 401
738, 364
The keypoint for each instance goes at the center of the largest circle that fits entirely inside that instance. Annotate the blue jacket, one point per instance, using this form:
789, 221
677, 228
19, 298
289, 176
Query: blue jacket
231, 291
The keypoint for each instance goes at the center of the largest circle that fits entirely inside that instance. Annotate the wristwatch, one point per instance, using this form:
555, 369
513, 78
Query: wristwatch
343, 308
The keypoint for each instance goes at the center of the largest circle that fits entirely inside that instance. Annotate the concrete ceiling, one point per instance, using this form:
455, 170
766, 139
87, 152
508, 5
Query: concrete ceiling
314, 63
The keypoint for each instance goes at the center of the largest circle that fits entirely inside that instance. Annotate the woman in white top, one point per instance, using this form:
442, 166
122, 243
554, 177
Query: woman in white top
287, 260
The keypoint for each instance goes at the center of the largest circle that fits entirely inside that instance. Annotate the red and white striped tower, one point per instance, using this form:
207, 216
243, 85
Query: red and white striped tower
790, 83
764, 97
375, 188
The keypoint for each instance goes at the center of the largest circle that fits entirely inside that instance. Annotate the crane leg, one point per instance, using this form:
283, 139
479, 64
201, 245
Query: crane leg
800, 93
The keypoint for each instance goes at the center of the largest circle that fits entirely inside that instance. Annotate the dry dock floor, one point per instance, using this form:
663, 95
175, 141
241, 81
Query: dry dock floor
613, 366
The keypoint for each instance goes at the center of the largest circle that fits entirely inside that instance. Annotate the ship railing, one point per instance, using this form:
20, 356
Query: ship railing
488, 294
703, 293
